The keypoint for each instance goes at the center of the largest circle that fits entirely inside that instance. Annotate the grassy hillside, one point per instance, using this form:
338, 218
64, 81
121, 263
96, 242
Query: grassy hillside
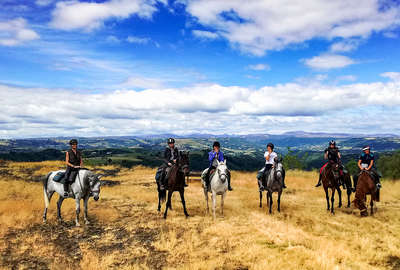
128, 233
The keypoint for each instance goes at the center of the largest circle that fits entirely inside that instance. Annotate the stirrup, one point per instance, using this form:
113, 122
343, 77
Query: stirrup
66, 194
378, 186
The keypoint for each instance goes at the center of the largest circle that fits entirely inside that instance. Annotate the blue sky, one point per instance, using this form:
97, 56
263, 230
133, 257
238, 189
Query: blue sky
120, 67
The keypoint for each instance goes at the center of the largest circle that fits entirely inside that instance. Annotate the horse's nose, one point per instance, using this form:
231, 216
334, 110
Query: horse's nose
96, 198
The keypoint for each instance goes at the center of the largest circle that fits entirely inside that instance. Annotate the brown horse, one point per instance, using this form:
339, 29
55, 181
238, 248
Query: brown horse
176, 180
365, 186
330, 180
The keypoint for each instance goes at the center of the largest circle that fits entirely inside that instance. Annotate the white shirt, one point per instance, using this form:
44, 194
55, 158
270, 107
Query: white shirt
271, 157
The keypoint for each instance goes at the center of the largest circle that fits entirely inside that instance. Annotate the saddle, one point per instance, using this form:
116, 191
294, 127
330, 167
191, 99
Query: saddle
59, 177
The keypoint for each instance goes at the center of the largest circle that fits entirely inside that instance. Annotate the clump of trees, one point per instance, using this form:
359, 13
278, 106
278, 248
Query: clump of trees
389, 165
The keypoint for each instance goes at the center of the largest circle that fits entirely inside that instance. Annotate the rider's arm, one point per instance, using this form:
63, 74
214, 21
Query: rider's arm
326, 155
339, 155
211, 156
359, 164
370, 165
67, 160
81, 163
221, 156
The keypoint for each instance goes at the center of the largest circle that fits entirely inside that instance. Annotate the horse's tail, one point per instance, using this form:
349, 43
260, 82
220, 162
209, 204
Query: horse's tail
45, 181
163, 195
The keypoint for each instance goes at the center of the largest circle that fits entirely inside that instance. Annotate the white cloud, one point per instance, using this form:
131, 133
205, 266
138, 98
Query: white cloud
345, 45
390, 34
70, 15
227, 109
16, 32
205, 34
258, 26
43, 2
259, 67
395, 76
138, 40
113, 39
349, 78
328, 61
142, 82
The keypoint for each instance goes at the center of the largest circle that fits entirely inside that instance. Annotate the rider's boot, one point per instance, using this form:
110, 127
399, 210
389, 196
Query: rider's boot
319, 181
162, 181
377, 182
66, 188
283, 183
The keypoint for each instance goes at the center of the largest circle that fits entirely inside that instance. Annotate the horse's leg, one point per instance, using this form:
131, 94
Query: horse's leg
279, 200
159, 202
59, 203
372, 205
332, 201
349, 191
77, 210
182, 193
340, 196
214, 199
260, 199
270, 201
47, 199
85, 210
327, 198
206, 196
168, 203
222, 203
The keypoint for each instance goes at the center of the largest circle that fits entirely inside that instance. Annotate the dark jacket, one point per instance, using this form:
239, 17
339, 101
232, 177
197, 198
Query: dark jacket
168, 155
333, 154
74, 159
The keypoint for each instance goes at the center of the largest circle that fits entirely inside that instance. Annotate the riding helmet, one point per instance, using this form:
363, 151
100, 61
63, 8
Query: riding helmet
332, 143
365, 148
271, 145
73, 141
171, 140
216, 144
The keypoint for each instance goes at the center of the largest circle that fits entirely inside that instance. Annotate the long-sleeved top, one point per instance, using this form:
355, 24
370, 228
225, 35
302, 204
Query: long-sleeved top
271, 157
170, 154
214, 156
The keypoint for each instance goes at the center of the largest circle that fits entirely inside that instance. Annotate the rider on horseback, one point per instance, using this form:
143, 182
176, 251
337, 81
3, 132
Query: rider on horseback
332, 154
170, 157
73, 159
213, 157
366, 162
270, 157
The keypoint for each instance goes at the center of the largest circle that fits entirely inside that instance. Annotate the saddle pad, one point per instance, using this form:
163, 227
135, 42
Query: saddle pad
58, 177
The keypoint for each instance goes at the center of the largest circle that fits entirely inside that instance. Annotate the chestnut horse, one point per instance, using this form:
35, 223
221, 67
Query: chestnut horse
176, 180
365, 186
330, 180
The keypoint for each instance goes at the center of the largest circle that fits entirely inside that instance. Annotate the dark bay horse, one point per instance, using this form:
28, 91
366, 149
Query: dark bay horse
347, 182
365, 186
176, 182
330, 180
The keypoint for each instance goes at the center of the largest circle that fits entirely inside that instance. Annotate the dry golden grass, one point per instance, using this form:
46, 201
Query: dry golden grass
128, 233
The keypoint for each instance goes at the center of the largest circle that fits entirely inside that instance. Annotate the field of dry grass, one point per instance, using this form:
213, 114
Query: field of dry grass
128, 233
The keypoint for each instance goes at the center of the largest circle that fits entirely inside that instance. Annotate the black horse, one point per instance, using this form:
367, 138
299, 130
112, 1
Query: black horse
176, 182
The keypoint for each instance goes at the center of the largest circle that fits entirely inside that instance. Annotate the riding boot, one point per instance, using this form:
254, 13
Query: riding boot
229, 183
355, 180
66, 187
377, 182
162, 181
319, 181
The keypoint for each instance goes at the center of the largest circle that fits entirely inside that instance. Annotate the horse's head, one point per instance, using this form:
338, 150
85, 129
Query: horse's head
184, 162
278, 167
94, 185
222, 171
335, 170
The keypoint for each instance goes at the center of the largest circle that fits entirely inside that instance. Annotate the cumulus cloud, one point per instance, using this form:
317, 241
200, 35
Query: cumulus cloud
345, 45
43, 2
258, 26
142, 82
16, 32
259, 67
138, 40
205, 34
71, 15
209, 108
328, 61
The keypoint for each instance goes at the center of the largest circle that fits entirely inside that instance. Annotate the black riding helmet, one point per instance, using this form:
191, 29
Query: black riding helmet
73, 141
216, 144
332, 143
271, 145
171, 140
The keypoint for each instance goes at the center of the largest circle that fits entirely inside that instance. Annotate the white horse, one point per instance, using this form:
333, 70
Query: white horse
86, 184
218, 185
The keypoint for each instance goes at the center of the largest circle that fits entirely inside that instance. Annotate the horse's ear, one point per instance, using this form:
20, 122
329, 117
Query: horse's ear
99, 176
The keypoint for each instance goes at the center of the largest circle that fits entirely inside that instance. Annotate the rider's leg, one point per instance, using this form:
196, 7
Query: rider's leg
66, 181
229, 181
355, 180
207, 178
376, 178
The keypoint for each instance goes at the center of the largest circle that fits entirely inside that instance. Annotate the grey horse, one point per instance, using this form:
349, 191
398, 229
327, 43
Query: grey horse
218, 185
275, 183
86, 184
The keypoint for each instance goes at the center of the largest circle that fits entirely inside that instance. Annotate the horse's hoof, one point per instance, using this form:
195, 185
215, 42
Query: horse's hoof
87, 222
77, 225
44, 221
